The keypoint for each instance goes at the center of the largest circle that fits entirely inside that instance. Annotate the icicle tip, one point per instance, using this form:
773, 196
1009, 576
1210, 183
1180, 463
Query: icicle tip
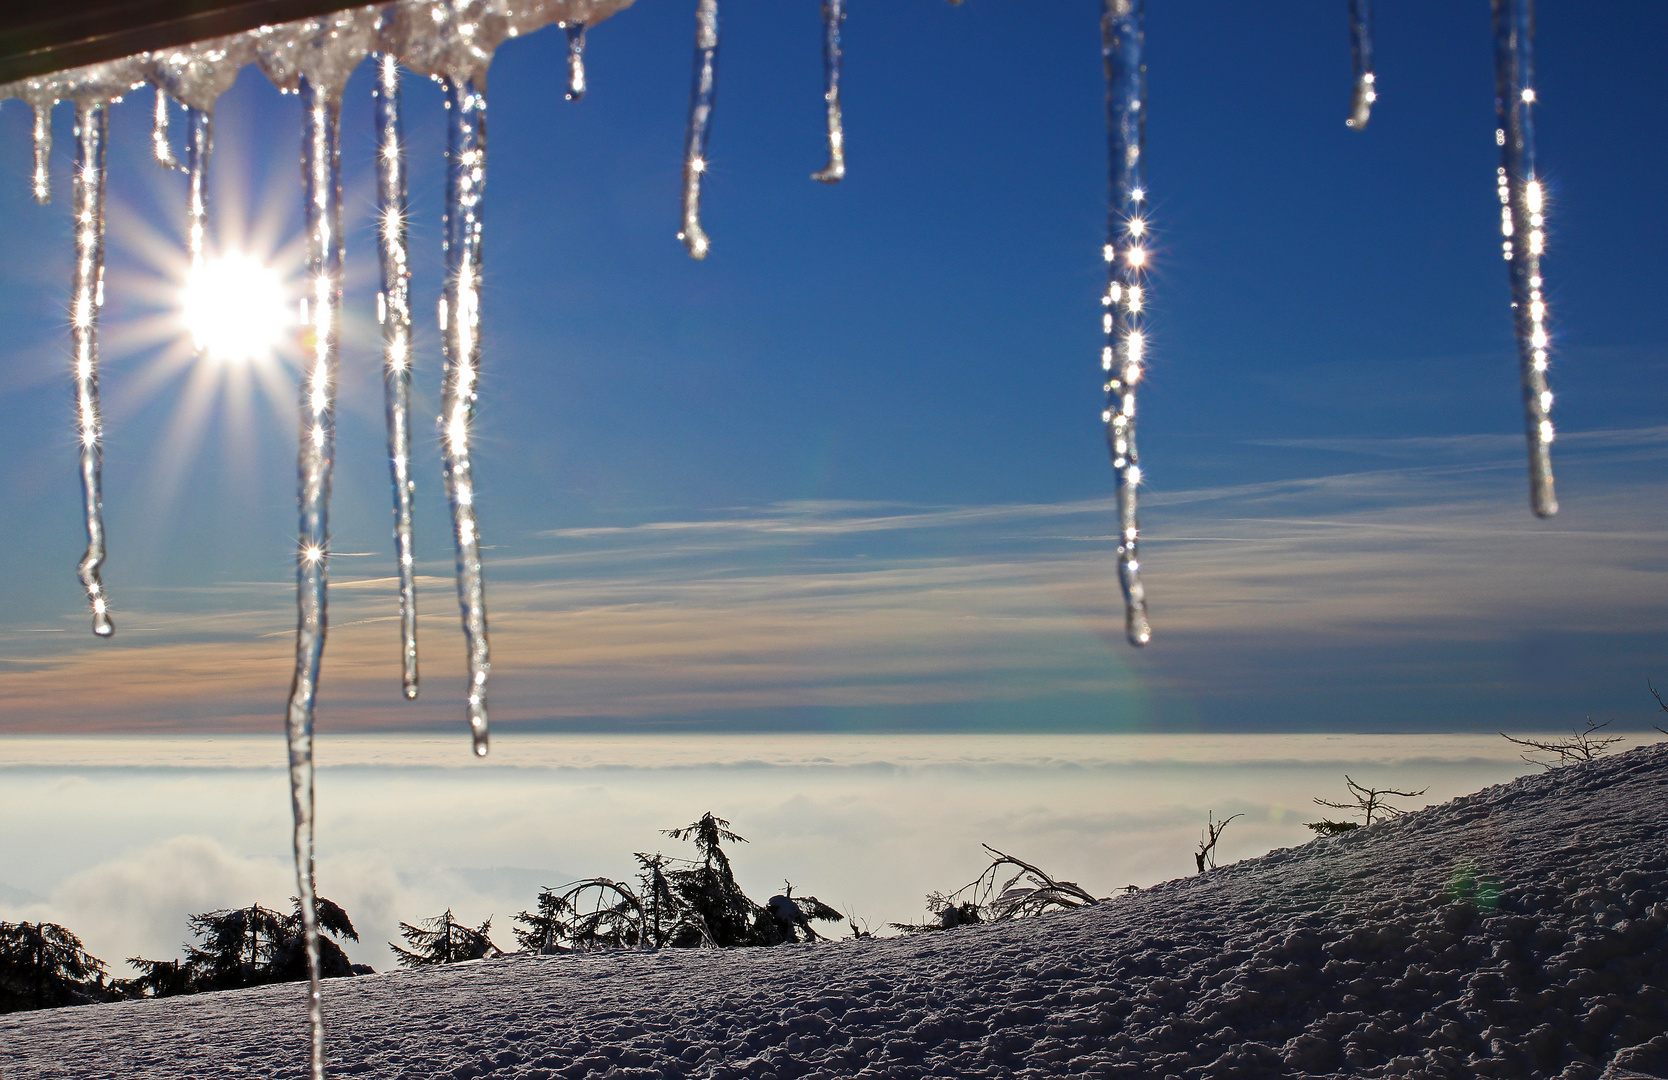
696, 241
1361, 109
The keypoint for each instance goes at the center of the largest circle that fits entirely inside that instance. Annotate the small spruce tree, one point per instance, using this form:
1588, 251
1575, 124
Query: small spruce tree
792, 916
443, 940
545, 930
661, 915
707, 887
597, 913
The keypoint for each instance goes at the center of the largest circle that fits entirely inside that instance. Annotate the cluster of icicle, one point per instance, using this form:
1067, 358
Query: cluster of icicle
1523, 210
452, 41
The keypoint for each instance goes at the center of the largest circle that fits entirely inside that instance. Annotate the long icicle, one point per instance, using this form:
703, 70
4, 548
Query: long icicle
199, 145
394, 312
576, 59
1126, 258
1523, 223
1361, 51
161, 145
833, 15
86, 298
700, 120
460, 337
321, 168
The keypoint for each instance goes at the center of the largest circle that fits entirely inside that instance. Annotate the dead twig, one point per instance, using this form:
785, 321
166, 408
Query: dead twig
1368, 802
1208, 839
1584, 745
1009, 888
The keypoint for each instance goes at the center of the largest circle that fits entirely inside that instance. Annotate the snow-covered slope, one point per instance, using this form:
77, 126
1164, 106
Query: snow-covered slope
1521, 931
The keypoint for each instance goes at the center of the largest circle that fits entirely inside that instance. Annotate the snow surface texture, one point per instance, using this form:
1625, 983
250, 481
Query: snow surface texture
1518, 932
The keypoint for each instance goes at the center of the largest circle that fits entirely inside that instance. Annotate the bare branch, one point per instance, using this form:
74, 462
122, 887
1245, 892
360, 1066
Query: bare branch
1008, 888
1208, 839
1369, 801
1582, 745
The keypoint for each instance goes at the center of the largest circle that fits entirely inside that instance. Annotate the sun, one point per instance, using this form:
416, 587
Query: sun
235, 307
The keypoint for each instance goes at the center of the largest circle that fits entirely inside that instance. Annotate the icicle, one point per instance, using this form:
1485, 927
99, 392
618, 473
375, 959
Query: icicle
833, 14
460, 337
394, 312
321, 167
576, 59
1523, 223
87, 296
160, 142
700, 117
1126, 258
200, 144
1361, 49
43, 151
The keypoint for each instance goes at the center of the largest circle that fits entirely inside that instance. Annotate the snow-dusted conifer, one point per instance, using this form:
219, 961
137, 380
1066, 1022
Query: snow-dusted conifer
793, 915
444, 940
597, 913
716, 908
660, 906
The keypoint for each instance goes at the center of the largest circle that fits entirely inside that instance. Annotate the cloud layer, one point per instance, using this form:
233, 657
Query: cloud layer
125, 838
1286, 601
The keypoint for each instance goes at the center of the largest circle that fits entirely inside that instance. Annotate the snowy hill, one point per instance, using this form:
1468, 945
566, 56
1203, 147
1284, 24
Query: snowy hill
1518, 932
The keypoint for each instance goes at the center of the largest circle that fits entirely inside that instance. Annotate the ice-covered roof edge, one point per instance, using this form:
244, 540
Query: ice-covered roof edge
431, 37
38, 39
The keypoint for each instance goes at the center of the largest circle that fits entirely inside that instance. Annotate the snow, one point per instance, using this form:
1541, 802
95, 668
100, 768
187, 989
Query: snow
1518, 932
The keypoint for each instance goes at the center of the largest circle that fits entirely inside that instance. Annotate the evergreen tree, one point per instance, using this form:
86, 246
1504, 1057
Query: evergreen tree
679, 903
443, 940
289, 962
718, 912
249, 946
546, 929
158, 978
662, 917
792, 916
43, 965
597, 913
234, 947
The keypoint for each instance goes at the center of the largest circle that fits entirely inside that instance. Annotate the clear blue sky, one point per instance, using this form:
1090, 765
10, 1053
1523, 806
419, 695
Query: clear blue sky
849, 471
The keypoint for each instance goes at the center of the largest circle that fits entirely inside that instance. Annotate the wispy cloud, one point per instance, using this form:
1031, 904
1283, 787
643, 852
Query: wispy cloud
1478, 444
1413, 577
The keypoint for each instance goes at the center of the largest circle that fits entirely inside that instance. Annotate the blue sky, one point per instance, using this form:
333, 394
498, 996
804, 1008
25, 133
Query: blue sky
848, 472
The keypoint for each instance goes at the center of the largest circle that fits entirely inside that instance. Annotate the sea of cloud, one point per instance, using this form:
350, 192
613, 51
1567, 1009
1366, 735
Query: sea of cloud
122, 838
